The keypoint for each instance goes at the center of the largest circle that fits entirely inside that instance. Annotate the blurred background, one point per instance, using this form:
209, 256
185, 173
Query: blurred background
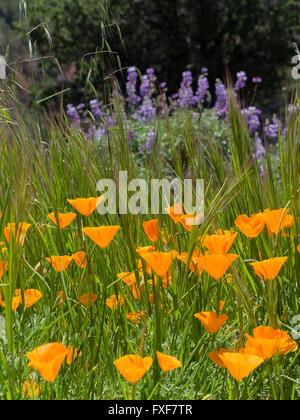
76, 43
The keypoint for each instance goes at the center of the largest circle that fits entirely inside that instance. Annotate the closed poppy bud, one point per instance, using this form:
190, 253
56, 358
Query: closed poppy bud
71, 355
167, 363
132, 367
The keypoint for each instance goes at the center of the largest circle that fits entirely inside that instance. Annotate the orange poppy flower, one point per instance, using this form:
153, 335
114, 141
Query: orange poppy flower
135, 317
214, 356
3, 268
86, 206
143, 249
151, 229
269, 269
10, 229
167, 363
71, 355
130, 280
132, 367
80, 259
103, 235
175, 212
88, 299
221, 305
114, 301
240, 365
15, 302
277, 220
211, 321
250, 226
60, 263
64, 219
266, 342
160, 262
194, 267
298, 248
47, 359
216, 265
31, 296
189, 220
220, 243
29, 389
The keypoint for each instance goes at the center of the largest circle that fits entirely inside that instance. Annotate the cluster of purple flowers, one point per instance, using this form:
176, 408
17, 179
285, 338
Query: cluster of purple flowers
147, 99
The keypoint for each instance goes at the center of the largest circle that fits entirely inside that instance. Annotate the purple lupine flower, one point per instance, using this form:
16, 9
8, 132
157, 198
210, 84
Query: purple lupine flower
186, 97
204, 70
80, 107
146, 111
133, 98
271, 128
221, 105
148, 146
202, 89
145, 88
151, 73
95, 108
241, 80
175, 96
259, 149
252, 117
163, 85
256, 79
73, 114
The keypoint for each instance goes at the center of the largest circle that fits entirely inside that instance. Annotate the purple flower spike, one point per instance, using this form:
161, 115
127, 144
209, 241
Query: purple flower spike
257, 80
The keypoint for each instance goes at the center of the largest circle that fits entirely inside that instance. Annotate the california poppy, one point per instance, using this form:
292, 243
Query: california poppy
114, 301
15, 302
215, 265
269, 269
30, 389
60, 263
130, 280
240, 365
132, 367
80, 259
220, 243
214, 356
160, 262
298, 248
175, 212
20, 235
167, 363
103, 235
151, 229
250, 226
3, 268
143, 249
71, 355
193, 266
86, 206
64, 219
211, 321
47, 359
31, 296
277, 220
88, 299
266, 342
135, 317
